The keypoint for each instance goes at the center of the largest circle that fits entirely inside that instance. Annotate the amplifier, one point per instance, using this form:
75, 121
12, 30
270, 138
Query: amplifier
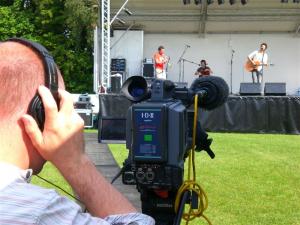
148, 70
148, 60
87, 116
118, 65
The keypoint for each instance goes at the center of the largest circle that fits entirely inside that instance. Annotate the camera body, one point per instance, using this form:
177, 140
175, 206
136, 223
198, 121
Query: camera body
157, 139
159, 136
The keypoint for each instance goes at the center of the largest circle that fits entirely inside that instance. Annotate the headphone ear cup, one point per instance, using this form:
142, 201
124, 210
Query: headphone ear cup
36, 110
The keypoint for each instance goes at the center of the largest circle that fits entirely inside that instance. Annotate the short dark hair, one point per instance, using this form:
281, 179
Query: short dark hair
203, 60
265, 44
161, 47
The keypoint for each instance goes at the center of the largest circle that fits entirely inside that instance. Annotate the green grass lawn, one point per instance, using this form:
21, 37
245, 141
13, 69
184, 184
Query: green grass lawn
90, 131
254, 179
50, 173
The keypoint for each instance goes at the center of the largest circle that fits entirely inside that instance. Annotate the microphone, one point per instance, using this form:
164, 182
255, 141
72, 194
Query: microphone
212, 91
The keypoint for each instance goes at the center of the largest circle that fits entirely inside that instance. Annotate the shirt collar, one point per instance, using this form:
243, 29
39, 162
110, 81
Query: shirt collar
10, 173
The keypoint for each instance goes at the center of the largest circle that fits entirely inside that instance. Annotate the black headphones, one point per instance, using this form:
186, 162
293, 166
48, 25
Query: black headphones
36, 108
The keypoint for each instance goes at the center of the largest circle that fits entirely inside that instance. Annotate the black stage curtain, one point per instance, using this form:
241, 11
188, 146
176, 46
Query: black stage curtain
247, 114
113, 105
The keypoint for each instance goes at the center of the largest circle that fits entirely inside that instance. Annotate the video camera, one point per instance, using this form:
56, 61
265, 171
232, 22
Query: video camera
159, 137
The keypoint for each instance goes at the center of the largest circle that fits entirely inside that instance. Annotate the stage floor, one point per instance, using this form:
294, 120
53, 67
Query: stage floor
246, 114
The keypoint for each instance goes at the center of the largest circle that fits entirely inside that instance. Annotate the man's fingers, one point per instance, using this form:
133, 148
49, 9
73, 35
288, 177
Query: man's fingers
49, 103
33, 131
65, 102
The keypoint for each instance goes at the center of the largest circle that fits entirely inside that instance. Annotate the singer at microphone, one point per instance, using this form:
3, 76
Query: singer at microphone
203, 70
160, 63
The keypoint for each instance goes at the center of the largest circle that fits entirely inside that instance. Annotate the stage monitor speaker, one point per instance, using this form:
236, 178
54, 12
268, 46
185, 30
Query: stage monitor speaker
278, 89
148, 70
250, 89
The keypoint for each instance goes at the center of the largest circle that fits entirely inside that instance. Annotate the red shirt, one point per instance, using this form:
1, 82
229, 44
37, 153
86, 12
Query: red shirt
159, 61
204, 71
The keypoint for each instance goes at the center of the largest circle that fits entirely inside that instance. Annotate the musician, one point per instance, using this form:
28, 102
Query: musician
160, 63
203, 70
258, 59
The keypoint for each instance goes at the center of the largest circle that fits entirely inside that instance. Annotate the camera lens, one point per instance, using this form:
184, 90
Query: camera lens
150, 176
129, 177
140, 175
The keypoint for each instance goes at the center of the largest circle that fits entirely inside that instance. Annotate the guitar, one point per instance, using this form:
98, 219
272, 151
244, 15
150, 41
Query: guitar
250, 67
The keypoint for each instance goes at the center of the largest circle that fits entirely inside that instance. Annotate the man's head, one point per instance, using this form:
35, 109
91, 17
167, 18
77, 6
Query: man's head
161, 50
203, 62
21, 72
263, 46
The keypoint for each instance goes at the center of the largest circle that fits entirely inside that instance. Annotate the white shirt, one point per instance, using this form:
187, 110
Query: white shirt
260, 57
24, 203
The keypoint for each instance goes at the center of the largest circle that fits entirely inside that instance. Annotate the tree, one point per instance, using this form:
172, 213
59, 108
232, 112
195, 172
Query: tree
64, 27
14, 22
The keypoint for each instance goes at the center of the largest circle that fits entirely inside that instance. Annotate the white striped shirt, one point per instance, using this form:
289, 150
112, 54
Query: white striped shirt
22, 203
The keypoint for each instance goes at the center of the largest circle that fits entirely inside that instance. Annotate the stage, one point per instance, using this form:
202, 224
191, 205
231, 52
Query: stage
243, 114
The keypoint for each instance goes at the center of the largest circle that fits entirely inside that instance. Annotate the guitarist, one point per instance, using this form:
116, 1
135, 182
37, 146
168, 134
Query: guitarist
257, 60
203, 70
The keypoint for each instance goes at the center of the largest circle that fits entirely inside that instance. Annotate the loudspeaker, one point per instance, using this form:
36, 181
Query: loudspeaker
250, 89
148, 70
278, 89
116, 83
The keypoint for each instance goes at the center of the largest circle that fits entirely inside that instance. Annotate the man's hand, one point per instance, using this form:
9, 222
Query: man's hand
61, 142
62, 137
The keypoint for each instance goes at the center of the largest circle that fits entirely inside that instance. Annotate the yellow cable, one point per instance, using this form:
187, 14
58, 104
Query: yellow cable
190, 184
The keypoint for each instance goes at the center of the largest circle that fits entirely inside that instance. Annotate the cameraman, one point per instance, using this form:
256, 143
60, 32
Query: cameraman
24, 150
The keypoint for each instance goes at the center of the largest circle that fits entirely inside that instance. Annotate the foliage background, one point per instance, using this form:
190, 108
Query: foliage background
64, 27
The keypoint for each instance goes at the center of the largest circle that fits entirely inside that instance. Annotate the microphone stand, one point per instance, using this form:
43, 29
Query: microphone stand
185, 60
262, 69
181, 64
167, 67
191, 62
231, 64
